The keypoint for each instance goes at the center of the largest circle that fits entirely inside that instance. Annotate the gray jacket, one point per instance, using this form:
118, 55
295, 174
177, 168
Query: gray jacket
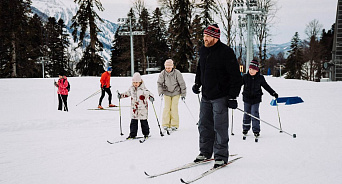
171, 84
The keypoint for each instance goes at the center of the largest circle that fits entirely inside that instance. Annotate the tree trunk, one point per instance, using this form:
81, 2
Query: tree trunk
14, 57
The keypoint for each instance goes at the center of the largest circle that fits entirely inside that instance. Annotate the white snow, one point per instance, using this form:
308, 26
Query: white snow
40, 145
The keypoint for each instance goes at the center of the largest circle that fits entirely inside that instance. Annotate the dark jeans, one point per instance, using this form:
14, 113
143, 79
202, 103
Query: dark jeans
107, 90
213, 128
62, 100
254, 110
134, 127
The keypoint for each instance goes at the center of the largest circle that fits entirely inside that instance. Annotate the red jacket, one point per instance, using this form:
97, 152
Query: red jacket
62, 86
105, 79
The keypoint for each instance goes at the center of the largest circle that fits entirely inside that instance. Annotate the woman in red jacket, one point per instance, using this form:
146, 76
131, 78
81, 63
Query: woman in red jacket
105, 87
62, 92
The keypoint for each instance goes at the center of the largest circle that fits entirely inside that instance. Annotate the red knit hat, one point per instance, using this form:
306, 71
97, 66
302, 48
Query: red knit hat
213, 31
254, 65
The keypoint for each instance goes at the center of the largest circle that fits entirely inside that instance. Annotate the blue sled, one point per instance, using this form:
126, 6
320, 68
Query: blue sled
287, 100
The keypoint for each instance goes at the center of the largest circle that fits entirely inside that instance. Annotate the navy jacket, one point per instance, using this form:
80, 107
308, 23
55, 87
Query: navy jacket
218, 72
252, 91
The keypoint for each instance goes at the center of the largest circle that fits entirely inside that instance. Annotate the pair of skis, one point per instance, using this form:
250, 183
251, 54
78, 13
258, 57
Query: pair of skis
141, 140
193, 164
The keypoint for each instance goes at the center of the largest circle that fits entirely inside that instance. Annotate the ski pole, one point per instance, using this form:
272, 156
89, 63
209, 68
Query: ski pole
293, 135
161, 133
54, 93
120, 113
161, 106
281, 130
97, 92
232, 122
189, 111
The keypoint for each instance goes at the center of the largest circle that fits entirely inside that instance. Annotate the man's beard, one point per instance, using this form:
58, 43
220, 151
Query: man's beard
209, 43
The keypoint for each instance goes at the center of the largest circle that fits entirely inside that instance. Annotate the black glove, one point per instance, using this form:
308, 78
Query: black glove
183, 98
151, 99
275, 95
232, 103
195, 88
56, 84
119, 96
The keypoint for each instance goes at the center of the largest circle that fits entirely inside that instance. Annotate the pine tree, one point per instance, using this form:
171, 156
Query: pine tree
294, 61
206, 7
86, 17
34, 45
157, 47
197, 39
143, 39
14, 20
180, 38
62, 48
120, 50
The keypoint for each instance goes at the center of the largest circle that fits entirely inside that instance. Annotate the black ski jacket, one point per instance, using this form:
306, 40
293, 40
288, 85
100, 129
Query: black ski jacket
252, 91
218, 72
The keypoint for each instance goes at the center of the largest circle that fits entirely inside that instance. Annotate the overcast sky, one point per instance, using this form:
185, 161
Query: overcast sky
292, 16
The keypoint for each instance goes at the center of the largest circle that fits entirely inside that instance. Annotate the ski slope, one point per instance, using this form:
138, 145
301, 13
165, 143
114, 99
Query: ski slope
40, 145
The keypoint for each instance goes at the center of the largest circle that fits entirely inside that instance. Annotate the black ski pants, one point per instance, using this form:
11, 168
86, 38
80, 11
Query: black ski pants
134, 127
62, 100
107, 90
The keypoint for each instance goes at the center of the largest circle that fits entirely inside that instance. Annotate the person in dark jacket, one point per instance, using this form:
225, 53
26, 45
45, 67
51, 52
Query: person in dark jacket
219, 76
253, 81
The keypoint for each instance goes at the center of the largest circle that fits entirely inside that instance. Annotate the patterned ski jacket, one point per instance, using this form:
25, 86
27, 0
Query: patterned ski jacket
139, 101
105, 80
62, 86
171, 84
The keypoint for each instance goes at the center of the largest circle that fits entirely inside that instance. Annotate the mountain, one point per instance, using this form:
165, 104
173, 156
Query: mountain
66, 9
274, 49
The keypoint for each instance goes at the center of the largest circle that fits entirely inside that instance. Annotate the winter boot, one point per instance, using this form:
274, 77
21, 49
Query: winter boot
256, 134
200, 158
100, 107
131, 137
244, 132
219, 163
173, 128
111, 105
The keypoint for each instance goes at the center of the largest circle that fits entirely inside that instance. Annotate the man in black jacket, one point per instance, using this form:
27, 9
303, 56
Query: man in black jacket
218, 74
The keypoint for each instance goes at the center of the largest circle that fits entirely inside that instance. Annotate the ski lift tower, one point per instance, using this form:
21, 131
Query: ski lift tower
122, 22
250, 9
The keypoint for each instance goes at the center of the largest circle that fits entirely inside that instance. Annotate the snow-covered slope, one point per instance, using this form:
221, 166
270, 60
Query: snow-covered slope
41, 145
66, 9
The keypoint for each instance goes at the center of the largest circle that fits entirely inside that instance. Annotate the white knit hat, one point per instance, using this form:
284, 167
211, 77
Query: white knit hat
136, 77
168, 63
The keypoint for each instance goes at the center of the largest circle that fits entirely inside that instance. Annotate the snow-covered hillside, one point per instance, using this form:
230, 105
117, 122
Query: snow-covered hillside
66, 9
41, 145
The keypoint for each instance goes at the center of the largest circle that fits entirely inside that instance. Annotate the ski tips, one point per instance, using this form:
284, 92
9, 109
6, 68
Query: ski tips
109, 142
148, 175
182, 180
